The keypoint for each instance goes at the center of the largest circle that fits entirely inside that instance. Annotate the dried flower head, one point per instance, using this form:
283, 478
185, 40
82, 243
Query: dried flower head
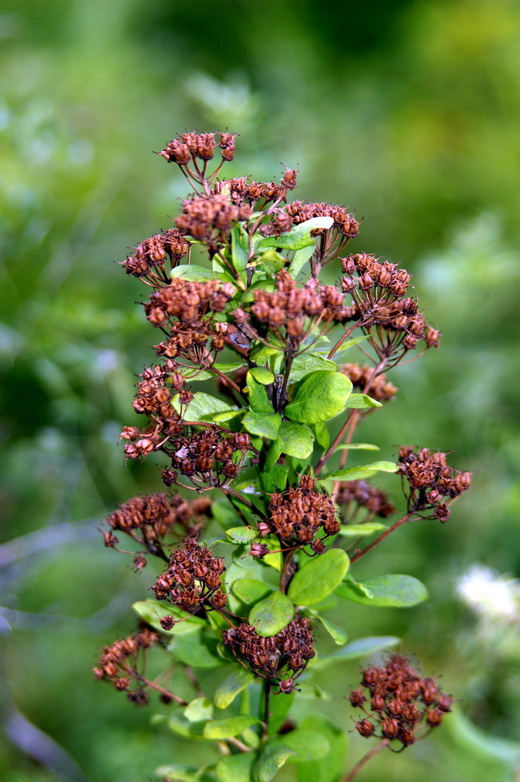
361, 376
353, 495
433, 483
193, 579
398, 702
120, 662
299, 514
279, 658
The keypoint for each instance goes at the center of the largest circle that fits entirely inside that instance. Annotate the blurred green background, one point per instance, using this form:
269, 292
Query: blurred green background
409, 112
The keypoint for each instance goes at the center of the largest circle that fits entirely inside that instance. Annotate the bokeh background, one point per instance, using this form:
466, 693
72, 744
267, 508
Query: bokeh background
409, 112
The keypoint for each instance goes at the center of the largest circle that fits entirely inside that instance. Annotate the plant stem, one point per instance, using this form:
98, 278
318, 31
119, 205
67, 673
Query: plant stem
382, 744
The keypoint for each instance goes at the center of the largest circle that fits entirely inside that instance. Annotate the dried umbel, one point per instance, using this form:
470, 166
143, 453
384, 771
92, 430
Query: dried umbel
193, 579
433, 483
280, 658
400, 705
298, 515
120, 663
150, 256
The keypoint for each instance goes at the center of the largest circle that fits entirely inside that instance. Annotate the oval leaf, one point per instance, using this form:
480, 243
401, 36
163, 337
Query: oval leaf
299, 236
307, 363
250, 590
362, 401
272, 614
262, 424
273, 756
337, 633
237, 681
362, 472
396, 590
319, 577
360, 530
296, 440
241, 534
321, 396
225, 729
154, 610
262, 375
235, 768
306, 744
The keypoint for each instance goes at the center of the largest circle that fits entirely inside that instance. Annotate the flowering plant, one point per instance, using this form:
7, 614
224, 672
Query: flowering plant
255, 561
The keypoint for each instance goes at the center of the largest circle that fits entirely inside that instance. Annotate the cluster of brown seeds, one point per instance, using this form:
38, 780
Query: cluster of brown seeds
153, 252
399, 702
150, 518
210, 456
379, 293
279, 658
299, 514
380, 388
188, 147
290, 307
119, 663
355, 495
210, 218
243, 190
188, 302
431, 480
192, 579
344, 222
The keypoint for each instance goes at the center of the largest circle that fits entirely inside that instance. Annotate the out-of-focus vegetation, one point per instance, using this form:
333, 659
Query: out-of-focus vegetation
407, 111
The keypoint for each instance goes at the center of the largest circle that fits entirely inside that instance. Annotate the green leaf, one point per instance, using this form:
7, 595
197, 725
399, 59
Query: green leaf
202, 406
271, 614
273, 454
250, 590
307, 744
183, 727
178, 771
296, 439
241, 534
362, 401
228, 367
193, 273
262, 424
199, 710
319, 577
224, 513
274, 755
363, 647
300, 258
361, 472
357, 587
226, 728
322, 435
357, 447
361, 530
270, 261
274, 480
395, 590
275, 558
239, 247
258, 396
236, 768
321, 396
337, 633
262, 375
237, 681
306, 363
329, 767
310, 691
154, 610
193, 375
196, 650
299, 236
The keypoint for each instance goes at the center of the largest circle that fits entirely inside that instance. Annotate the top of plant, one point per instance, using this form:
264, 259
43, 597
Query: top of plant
236, 297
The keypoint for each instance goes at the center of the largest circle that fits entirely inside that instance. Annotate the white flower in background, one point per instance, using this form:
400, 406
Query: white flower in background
493, 597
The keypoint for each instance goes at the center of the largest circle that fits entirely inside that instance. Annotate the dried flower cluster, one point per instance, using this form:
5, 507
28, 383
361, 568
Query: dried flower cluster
351, 496
190, 147
362, 377
149, 256
120, 662
399, 702
289, 307
431, 480
212, 456
378, 290
193, 579
279, 658
299, 514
